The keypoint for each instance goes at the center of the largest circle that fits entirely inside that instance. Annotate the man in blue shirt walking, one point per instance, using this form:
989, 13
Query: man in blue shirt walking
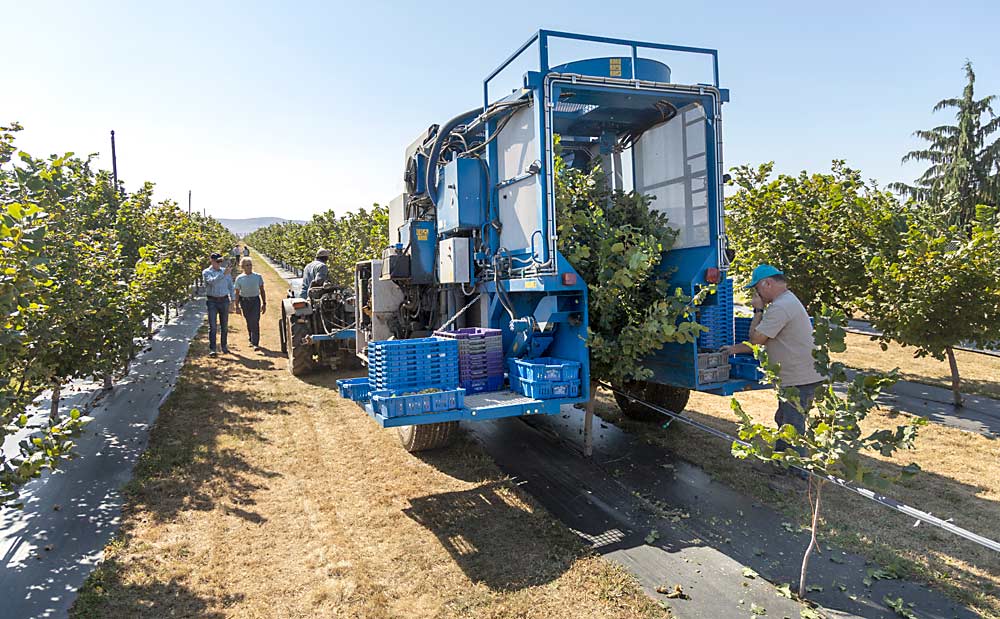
218, 292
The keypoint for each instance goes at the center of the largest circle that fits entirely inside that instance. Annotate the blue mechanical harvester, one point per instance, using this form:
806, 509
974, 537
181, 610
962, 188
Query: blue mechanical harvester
473, 251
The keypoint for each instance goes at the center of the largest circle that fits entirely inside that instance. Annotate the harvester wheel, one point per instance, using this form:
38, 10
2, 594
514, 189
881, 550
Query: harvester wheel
300, 359
671, 398
427, 436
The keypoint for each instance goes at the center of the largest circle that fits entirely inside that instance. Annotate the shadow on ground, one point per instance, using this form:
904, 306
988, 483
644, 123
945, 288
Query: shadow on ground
162, 599
494, 537
187, 466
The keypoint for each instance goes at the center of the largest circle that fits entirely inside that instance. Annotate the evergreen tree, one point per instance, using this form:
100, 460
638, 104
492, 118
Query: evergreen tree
965, 163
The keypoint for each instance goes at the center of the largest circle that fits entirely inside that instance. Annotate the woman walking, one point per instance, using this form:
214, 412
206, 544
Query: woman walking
251, 300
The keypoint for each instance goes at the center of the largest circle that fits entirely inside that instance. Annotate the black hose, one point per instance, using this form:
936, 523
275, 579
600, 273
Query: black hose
439, 139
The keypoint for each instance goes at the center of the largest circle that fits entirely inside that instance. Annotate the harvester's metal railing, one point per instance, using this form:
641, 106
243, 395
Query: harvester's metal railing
542, 38
865, 492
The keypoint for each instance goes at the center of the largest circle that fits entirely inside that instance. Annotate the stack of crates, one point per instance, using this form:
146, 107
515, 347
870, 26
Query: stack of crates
718, 318
480, 358
413, 365
545, 377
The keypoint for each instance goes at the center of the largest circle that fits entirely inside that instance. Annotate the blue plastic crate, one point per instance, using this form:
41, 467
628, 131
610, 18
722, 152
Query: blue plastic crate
411, 367
482, 385
395, 403
546, 390
448, 400
742, 327
420, 342
548, 368
355, 389
746, 367
406, 374
415, 383
387, 404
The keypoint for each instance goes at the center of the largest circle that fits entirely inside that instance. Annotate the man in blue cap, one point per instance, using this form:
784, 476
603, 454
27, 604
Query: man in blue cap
781, 324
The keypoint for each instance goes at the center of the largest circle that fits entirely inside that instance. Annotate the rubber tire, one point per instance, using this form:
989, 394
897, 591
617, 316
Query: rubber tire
427, 436
283, 332
300, 360
671, 398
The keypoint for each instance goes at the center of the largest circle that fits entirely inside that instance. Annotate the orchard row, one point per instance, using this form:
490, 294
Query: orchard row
83, 266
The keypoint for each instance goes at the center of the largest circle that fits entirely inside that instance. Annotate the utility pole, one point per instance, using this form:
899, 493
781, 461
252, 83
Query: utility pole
114, 161
189, 201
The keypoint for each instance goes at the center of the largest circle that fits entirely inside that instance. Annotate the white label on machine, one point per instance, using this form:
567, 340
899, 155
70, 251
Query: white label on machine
670, 165
520, 213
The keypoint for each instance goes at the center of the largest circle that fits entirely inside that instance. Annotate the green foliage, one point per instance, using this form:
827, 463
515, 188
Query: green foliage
941, 289
820, 229
75, 256
964, 159
616, 243
352, 238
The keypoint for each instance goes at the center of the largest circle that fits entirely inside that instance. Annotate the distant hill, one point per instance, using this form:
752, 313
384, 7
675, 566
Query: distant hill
241, 227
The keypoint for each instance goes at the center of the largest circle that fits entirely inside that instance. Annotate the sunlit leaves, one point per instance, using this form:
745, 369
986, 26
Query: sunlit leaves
77, 259
616, 242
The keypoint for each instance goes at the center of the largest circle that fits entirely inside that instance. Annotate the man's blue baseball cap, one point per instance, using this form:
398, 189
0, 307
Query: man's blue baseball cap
763, 272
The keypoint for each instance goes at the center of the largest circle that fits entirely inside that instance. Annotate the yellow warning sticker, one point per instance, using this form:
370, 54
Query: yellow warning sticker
616, 67
531, 283
422, 234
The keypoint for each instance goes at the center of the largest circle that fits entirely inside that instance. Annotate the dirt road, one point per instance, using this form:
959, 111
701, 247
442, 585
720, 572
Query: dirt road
262, 495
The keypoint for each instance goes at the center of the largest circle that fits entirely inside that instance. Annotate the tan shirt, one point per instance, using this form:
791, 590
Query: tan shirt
786, 323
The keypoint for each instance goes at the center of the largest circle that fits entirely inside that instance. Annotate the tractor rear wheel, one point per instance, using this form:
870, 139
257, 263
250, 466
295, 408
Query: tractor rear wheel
427, 436
671, 398
300, 358
283, 332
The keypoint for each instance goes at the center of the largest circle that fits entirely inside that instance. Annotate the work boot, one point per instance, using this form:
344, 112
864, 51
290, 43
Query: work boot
212, 353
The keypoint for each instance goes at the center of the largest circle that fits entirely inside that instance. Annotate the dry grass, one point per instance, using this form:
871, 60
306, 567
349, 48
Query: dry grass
262, 495
960, 480
980, 373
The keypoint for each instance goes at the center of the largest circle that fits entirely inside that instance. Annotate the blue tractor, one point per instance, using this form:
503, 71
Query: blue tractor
473, 241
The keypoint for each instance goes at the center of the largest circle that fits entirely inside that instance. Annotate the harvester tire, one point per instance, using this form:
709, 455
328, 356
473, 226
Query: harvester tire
669, 397
427, 436
300, 360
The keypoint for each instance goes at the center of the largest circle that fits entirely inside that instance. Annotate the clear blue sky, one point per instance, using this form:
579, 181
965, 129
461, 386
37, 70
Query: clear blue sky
294, 108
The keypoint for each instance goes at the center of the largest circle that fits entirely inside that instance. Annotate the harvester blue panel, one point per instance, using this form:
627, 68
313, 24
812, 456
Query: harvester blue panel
461, 203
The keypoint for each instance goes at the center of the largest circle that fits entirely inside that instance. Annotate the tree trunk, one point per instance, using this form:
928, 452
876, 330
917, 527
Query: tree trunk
108, 381
149, 326
54, 409
812, 540
956, 381
588, 423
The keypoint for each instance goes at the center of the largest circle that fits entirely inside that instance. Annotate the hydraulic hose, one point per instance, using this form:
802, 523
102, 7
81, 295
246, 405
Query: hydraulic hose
439, 140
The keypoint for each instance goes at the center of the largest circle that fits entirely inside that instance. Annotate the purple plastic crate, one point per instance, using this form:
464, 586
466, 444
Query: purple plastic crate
469, 333
486, 355
471, 365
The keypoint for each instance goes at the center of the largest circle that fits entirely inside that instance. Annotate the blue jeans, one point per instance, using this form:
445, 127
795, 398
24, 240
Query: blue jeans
787, 413
250, 306
218, 312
